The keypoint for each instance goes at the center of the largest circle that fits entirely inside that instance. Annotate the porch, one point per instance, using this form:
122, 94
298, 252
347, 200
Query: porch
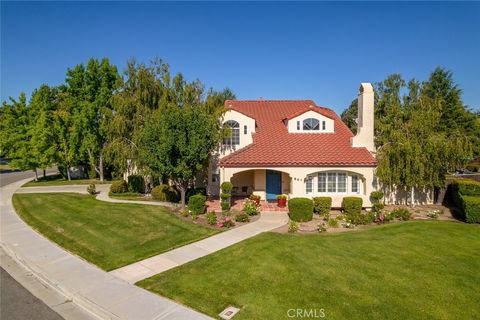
213, 204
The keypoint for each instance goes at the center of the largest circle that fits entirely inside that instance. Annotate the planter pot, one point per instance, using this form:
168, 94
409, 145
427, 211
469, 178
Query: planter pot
257, 201
281, 202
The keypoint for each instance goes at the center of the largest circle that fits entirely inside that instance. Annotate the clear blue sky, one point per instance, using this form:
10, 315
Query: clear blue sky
319, 51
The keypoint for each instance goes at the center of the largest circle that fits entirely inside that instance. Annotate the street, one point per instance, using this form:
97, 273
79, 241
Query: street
16, 302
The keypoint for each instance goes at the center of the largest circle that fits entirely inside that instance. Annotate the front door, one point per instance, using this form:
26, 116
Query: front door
274, 184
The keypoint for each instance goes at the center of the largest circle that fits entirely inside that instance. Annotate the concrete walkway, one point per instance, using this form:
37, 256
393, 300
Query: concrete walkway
102, 294
171, 259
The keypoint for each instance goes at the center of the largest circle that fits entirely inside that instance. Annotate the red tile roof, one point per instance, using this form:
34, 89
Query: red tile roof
273, 146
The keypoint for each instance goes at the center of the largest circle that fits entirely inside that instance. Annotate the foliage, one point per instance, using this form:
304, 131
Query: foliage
402, 214
255, 197
300, 209
225, 222
119, 186
225, 196
322, 205
242, 217
226, 186
466, 187
136, 183
91, 189
376, 196
321, 227
212, 218
471, 207
333, 223
196, 204
281, 197
352, 205
250, 207
164, 192
349, 116
293, 226
193, 191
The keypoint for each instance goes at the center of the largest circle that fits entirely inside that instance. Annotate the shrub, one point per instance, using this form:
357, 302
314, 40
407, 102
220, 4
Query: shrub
211, 218
242, 217
250, 207
376, 196
292, 226
226, 222
136, 184
281, 197
225, 196
322, 205
226, 187
402, 214
352, 205
377, 207
119, 186
193, 191
196, 204
333, 223
91, 189
300, 209
321, 227
466, 187
471, 207
165, 192
225, 205
255, 197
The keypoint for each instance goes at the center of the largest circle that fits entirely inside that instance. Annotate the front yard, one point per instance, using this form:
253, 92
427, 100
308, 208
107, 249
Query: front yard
58, 180
408, 270
109, 235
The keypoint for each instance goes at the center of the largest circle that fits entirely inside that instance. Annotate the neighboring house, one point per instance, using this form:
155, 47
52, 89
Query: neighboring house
296, 148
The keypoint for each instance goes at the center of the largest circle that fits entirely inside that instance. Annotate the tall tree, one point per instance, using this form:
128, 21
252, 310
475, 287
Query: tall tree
349, 116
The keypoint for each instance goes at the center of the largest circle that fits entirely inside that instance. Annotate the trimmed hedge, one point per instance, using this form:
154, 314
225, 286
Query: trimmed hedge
470, 206
164, 192
136, 184
193, 191
352, 205
376, 196
196, 204
300, 209
119, 186
226, 187
467, 187
322, 205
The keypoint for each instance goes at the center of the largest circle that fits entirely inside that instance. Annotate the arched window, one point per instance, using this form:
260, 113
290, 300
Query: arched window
234, 136
311, 124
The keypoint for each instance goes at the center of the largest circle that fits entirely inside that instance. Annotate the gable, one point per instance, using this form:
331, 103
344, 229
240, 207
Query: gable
298, 124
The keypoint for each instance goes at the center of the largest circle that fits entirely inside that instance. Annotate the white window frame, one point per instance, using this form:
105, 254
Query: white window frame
309, 183
235, 130
357, 177
320, 180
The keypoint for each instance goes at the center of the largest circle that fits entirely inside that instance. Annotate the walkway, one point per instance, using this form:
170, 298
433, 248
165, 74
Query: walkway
238, 203
96, 291
171, 259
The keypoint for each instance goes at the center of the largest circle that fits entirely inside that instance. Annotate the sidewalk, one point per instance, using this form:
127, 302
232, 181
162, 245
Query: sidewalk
171, 259
96, 291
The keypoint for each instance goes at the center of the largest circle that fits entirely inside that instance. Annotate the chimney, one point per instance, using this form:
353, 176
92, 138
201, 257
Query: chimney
365, 132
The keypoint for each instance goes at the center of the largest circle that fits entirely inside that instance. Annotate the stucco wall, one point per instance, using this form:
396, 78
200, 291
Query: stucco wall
292, 123
245, 138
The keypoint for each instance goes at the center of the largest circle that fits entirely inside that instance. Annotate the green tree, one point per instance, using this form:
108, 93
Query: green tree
349, 116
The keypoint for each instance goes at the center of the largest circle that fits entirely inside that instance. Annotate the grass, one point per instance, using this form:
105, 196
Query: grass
109, 235
58, 180
130, 196
410, 270
5, 167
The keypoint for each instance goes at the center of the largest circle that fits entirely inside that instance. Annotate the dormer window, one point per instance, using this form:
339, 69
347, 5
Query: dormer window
311, 124
234, 138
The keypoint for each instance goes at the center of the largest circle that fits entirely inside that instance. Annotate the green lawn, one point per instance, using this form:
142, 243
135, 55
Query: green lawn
410, 270
58, 180
109, 235
130, 196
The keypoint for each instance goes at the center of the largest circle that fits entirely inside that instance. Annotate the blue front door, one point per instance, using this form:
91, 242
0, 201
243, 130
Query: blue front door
274, 184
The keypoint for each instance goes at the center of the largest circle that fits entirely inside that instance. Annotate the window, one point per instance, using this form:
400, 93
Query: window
355, 184
322, 182
244, 129
311, 124
215, 174
234, 137
309, 184
298, 125
332, 182
323, 125
341, 182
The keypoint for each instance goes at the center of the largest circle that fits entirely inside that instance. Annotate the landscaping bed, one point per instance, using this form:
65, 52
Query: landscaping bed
58, 180
410, 270
110, 235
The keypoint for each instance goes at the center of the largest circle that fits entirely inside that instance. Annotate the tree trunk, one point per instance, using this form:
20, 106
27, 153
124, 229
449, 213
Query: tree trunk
100, 165
68, 173
36, 174
412, 196
182, 196
44, 173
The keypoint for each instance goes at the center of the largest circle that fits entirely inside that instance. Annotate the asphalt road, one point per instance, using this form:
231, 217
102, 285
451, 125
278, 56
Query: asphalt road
16, 302
10, 177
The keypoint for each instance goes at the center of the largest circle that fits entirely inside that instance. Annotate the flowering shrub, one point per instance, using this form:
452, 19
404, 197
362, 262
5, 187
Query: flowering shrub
348, 225
333, 223
321, 227
91, 189
211, 218
402, 214
242, 217
251, 207
434, 213
292, 226
225, 222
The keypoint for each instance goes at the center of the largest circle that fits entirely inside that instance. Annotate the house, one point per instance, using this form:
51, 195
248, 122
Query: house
297, 148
